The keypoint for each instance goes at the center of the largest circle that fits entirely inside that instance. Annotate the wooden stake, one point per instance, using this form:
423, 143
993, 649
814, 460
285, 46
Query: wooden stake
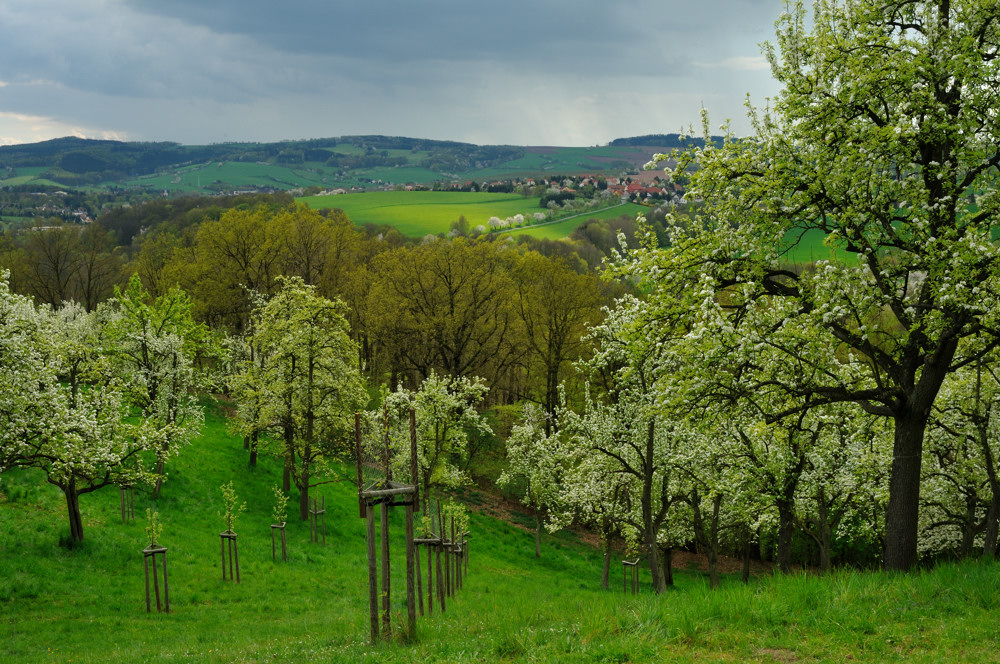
145, 564
386, 605
357, 458
430, 580
411, 605
440, 578
166, 590
414, 475
372, 573
420, 586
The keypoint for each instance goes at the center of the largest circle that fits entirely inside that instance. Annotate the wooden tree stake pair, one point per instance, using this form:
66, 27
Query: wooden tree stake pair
152, 552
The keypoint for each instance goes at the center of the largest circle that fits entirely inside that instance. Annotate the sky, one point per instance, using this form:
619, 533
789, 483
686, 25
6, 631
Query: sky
509, 72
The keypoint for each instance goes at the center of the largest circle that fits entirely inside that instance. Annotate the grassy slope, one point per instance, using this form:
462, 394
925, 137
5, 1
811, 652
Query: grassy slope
86, 605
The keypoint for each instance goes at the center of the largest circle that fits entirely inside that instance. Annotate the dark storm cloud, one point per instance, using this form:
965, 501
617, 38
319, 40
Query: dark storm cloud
516, 72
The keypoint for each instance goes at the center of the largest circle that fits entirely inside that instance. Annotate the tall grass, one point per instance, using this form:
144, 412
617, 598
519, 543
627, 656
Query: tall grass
86, 604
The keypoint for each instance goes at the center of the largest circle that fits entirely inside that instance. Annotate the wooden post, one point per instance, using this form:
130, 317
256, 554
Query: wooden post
420, 585
386, 572
465, 547
414, 475
166, 589
372, 573
440, 578
357, 459
453, 579
148, 553
317, 520
127, 497
145, 565
388, 453
633, 567
284, 552
234, 553
411, 605
430, 579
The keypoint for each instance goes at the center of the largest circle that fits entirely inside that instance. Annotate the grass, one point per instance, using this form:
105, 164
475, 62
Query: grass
566, 226
417, 213
86, 604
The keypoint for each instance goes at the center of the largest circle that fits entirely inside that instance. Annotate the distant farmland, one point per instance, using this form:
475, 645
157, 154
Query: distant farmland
417, 213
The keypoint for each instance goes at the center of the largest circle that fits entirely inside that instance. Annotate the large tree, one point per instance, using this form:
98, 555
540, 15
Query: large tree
307, 381
884, 140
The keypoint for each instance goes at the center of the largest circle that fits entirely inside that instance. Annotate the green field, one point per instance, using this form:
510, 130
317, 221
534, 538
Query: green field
562, 160
236, 175
86, 604
418, 213
561, 229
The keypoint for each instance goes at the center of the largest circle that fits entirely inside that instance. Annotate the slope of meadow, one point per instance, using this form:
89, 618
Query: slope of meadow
87, 604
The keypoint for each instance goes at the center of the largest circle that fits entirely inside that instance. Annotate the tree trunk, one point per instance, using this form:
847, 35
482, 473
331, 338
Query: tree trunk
606, 571
286, 475
667, 556
303, 485
901, 516
992, 519
713, 547
747, 544
969, 527
73, 507
993, 514
538, 534
254, 437
825, 534
648, 527
786, 527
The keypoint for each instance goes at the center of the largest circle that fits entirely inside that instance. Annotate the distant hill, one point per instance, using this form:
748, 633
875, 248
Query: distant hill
358, 162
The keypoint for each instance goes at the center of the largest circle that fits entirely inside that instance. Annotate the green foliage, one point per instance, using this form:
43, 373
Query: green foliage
232, 507
279, 514
154, 529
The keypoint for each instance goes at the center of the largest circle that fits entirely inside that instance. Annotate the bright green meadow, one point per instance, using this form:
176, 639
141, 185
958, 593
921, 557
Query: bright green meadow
86, 604
417, 213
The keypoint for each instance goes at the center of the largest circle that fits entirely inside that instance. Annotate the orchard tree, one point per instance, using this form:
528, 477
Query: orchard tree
539, 461
307, 382
961, 487
28, 376
447, 416
81, 438
884, 141
155, 343
627, 431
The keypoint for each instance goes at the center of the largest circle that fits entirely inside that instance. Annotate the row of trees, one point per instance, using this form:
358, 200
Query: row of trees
851, 398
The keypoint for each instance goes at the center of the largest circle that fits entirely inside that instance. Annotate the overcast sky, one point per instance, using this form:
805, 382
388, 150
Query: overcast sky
519, 72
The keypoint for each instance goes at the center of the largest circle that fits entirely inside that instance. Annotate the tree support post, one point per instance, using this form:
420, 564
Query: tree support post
411, 608
386, 603
284, 552
372, 576
318, 520
633, 567
148, 553
127, 497
234, 553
